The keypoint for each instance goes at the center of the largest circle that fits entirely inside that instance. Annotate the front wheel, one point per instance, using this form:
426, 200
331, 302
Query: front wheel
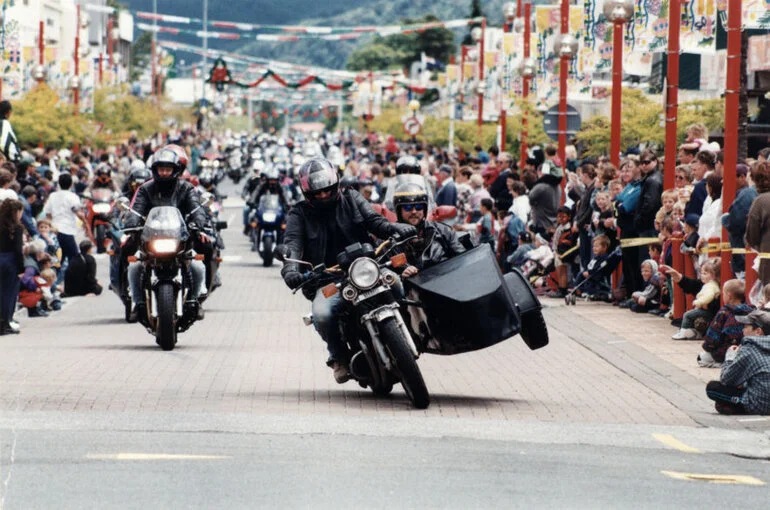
101, 234
165, 331
406, 365
267, 253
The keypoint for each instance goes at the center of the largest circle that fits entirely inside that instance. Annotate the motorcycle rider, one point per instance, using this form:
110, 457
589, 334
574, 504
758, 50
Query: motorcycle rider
138, 176
318, 229
435, 241
165, 189
272, 185
102, 179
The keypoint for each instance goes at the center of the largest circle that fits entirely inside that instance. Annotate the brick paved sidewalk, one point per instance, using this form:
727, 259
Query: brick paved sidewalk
252, 354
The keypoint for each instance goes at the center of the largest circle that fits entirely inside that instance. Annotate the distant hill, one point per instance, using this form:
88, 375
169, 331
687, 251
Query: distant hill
331, 54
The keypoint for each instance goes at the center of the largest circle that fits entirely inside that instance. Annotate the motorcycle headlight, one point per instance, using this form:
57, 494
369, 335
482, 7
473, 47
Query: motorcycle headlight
164, 246
102, 208
364, 273
269, 217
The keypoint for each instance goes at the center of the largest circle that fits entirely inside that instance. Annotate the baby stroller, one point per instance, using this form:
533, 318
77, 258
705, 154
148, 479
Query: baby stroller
538, 266
597, 276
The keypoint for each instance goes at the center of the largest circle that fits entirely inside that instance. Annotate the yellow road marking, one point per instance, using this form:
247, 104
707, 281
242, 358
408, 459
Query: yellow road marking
153, 456
730, 479
669, 440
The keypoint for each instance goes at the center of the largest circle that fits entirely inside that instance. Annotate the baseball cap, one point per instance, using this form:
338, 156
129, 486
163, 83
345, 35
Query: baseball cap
758, 319
692, 219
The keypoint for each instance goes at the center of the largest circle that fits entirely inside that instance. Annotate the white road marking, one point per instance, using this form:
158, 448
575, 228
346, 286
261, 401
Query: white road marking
153, 456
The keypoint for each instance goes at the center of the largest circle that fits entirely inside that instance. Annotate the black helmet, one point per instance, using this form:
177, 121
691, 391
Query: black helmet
349, 182
409, 193
317, 175
407, 165
165, 157
137, 177
103, 173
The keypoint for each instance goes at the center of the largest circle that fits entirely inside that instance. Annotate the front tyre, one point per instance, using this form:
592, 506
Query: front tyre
101, 235
165, 332
406, 365
267, 254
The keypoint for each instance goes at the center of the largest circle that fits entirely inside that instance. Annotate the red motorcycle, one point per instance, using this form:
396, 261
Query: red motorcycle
99, 206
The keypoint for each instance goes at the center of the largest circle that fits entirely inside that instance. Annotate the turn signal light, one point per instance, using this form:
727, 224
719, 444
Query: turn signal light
199, 256
329, 290
132, 258
398, 260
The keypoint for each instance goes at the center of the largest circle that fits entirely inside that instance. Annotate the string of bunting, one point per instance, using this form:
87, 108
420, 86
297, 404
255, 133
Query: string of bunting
292, 29
220, 76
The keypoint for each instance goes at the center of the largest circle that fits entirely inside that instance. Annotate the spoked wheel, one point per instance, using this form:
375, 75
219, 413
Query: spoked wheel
406, 365
165, 332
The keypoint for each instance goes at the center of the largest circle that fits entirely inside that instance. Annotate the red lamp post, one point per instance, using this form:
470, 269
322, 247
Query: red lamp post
672, 92
527, 70
732, 104
75, 81
617, 12
565, 46
509, 13
38, 72
478, 34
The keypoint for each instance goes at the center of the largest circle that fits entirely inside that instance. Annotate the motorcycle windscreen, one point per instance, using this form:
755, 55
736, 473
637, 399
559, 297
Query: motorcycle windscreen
466, 302
102, 194
164, 223
398, 180
269, 202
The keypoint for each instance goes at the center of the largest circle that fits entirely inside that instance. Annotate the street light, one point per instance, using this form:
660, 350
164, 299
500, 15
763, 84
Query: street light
518, 25
527, 68
509, 11
565, 45
617, 12
509, 14
476, 33
414, 105
38, 73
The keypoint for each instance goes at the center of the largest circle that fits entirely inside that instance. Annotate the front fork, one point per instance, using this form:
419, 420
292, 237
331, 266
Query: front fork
380, 314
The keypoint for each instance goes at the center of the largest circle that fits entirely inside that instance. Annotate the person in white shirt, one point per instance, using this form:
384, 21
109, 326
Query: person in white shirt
64, 209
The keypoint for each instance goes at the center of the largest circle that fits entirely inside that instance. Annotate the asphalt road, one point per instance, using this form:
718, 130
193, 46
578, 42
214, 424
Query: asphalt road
81, 469
245, 415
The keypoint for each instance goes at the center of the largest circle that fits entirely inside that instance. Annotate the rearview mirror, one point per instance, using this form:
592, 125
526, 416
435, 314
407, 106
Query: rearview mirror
444, 212
123, 204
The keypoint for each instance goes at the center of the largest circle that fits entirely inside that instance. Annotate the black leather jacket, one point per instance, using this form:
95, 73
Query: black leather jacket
306, 232
436, 243
181, 195
649, 202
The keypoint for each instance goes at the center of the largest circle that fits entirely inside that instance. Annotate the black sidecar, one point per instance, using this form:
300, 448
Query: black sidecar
466, 304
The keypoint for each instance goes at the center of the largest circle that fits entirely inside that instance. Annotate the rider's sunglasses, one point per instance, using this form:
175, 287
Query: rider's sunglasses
645, 161
413, 207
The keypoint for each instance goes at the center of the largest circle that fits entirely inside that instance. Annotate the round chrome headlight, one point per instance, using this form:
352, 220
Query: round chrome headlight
364, 273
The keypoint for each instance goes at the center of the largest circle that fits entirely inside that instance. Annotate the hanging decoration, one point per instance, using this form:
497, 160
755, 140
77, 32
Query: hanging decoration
219, 76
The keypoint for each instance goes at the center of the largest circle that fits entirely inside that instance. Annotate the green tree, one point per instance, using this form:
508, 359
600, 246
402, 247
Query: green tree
373, 57
140, 54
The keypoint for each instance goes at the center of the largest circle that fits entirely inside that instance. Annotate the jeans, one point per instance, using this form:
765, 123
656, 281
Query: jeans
69, 250
326, 320
729, 396
246, 211
136, 270
689, 318
9, 286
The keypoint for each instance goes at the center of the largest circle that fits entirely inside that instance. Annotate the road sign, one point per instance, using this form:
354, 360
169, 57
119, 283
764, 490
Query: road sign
551, 122
412, 126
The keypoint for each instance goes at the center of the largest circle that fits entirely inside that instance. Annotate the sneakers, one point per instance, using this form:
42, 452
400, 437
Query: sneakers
341, 372
36, 312
677, 323
706, 360
6, 329
626, 304
686, 334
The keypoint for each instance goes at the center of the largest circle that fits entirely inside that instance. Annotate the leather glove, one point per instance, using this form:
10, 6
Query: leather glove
403, 231
293, 279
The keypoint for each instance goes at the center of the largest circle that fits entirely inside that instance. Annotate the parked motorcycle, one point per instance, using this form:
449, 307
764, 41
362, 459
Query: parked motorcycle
213, 208
383, 352
267, 223
165, 250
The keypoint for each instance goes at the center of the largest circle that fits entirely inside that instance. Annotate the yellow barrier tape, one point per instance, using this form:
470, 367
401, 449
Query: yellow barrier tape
639, 241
